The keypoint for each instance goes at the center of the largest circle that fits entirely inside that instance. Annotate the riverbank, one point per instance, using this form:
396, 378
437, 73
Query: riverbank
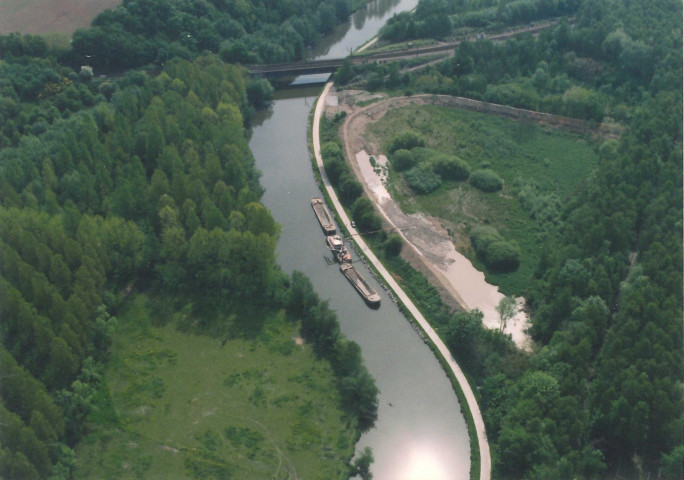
471, 402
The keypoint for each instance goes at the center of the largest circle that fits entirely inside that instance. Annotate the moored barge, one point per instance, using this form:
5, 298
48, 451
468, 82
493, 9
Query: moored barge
361, 285
336, 246
323, 215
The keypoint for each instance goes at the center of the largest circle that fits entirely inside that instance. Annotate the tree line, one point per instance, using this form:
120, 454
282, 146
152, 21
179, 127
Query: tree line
142, 32
600, 67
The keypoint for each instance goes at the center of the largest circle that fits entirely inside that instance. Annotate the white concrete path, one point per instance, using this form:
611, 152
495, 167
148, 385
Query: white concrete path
485, 459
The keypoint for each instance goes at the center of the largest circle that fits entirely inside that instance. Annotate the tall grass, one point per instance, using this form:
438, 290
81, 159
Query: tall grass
180, 405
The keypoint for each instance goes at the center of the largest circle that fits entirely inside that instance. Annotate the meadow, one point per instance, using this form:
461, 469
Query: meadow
178, 405
541, 168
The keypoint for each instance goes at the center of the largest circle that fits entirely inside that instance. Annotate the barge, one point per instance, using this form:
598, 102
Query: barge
361, 285
323, 215
336, 246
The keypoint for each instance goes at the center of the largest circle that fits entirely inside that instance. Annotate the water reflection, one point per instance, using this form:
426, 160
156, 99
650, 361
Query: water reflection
374, 9
421, 463
366, 23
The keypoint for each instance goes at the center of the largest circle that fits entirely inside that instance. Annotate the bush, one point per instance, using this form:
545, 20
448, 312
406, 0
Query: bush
260, 92
424, 155
496, 253
393, 245
406, 140
350, 189
402, 160
486, 180
451, 168
334, 169
422, 179
364, 216
502, 256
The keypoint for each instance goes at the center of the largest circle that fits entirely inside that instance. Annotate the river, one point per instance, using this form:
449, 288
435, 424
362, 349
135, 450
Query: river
420, 432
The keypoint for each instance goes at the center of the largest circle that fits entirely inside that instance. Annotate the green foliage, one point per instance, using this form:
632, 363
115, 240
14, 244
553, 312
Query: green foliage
345, 73
320, 327
422, 179
451, 168
405, 140
361, 466
156, 31
402, 159
486, 180
364, 215
260, 92
393, 245
495, 252
273, 399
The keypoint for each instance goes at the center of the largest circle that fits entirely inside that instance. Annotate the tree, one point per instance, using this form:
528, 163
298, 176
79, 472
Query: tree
451, 168
407, 140
345, 73
486, 180
402, 159
422, 179
393, 245
260, 92
506, 310
362, 464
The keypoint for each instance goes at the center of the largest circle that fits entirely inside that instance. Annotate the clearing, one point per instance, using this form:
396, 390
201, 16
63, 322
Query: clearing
182, 406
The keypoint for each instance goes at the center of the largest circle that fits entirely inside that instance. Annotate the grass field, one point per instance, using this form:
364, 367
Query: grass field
551, 163
179, 406
49, 16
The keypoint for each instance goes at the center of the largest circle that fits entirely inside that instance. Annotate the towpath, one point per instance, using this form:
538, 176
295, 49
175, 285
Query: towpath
485, 459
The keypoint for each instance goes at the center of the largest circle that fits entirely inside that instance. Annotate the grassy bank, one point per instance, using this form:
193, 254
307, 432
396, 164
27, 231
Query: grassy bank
546, 164
179, 405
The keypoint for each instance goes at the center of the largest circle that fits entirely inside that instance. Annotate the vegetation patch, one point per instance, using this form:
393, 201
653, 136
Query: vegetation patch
194, 406
536, 167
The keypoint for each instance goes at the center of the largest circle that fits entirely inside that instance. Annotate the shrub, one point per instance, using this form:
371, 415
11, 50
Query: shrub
451, 168
422, 179
406, 140
335, 169
486, 180
424, 155
402, 160
350, 189
496, 253
332, 151
364, 216
393, 245
502, 256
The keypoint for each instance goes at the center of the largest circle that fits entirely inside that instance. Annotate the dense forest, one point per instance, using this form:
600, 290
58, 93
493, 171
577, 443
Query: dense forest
142, 32
136, 182
601, 395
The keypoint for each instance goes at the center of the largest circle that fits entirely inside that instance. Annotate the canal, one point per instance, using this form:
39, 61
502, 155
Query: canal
420, 432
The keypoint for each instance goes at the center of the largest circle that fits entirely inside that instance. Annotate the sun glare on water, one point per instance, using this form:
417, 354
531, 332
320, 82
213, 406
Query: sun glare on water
421, 464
